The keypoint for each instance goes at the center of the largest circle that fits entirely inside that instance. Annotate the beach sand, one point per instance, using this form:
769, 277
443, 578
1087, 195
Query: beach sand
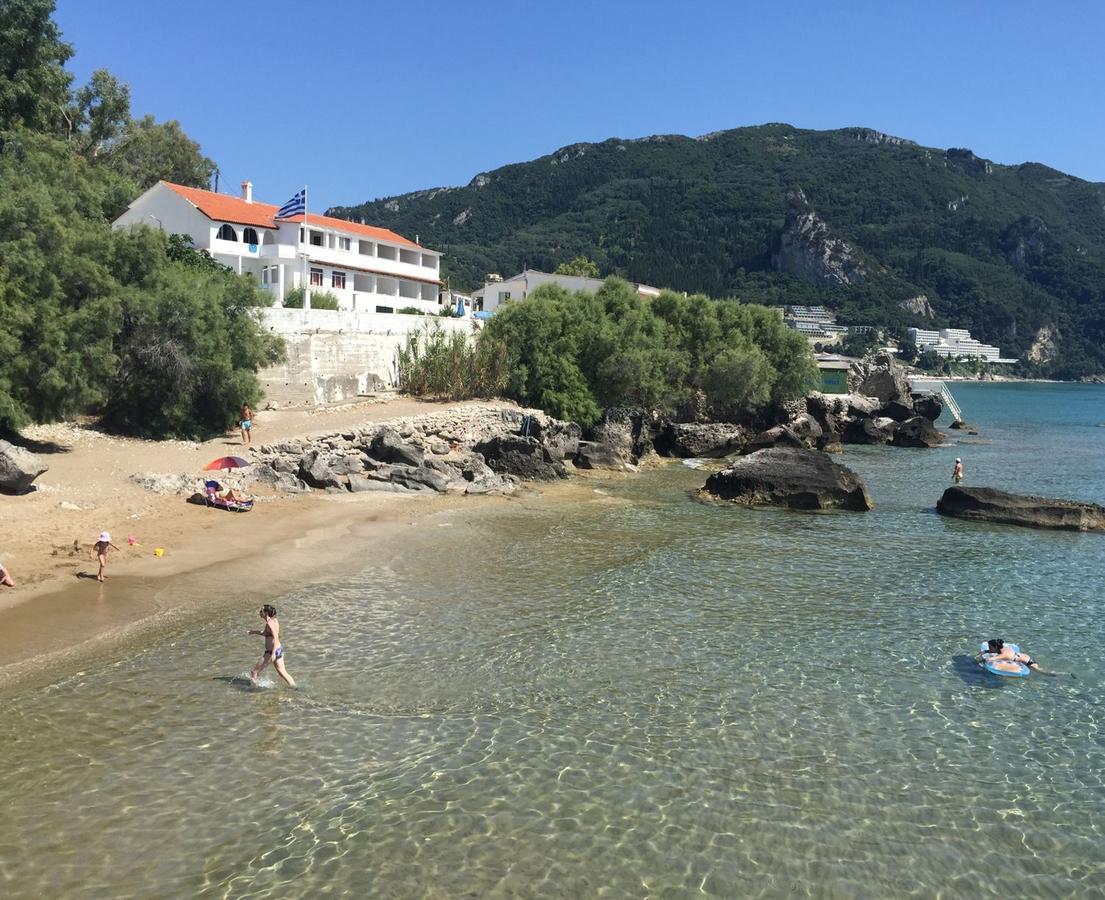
59, 617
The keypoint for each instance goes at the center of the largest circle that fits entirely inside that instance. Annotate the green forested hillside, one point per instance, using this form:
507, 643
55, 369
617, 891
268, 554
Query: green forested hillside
1003, 250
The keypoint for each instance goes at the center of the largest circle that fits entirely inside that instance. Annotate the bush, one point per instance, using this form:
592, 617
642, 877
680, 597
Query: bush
319, 299
410, 311
453, 366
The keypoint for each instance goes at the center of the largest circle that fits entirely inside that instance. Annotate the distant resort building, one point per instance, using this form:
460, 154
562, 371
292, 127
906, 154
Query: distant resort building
818, 324
497, 291
368, 269
952, 343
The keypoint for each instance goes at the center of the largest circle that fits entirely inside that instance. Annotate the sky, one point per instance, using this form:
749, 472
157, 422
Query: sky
362, 100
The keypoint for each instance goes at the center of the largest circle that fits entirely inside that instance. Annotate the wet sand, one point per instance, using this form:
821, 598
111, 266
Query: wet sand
59, 618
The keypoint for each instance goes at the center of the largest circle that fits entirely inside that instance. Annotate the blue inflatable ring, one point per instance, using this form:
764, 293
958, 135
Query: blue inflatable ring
1008, 669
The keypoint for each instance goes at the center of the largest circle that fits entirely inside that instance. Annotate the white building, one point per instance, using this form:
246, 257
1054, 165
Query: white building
955, 342
368, 269
498, 292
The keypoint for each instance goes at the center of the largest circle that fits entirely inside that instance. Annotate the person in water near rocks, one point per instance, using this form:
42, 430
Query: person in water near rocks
997, 649
100, 549
957, 472
274, 650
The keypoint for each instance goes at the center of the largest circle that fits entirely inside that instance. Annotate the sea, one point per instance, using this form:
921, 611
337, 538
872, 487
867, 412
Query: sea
618, 691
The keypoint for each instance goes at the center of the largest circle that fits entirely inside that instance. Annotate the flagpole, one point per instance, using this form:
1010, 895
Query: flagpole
306, 279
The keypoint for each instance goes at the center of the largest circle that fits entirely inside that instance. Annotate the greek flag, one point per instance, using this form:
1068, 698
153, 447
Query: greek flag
297, 206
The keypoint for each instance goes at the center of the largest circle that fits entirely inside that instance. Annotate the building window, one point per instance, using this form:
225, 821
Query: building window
366, 248
504, 296
316, 277
249, 236
270, 275
301, 235
343, 243
337, 280
226, 233
385, 309
316, 239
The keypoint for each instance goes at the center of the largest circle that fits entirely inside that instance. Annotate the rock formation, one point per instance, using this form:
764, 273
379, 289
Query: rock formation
990, 505
798, 479
808, 251
18, 468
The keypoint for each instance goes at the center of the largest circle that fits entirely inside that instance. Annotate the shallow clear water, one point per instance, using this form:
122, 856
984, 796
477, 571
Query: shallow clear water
632, 695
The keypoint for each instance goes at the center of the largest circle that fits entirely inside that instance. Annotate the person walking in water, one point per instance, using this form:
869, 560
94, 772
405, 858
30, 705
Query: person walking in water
100, 549
957, 472
246, 421
274, 650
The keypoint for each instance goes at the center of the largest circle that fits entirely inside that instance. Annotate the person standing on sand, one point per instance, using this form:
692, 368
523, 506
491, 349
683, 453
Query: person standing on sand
957, 472
5, 577
246, 421
274, 650
100, 549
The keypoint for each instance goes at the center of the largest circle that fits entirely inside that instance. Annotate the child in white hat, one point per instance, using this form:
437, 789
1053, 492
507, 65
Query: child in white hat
100, 548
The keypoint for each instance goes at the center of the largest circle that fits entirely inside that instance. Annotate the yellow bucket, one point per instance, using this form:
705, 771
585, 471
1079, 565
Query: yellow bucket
160, 551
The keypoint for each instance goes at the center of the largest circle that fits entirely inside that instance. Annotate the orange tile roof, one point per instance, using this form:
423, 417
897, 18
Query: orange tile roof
225, 208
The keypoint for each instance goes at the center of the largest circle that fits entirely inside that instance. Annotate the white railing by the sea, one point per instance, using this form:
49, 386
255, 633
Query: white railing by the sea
922, 385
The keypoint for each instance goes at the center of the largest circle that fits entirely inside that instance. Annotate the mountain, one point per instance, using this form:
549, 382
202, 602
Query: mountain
879, 228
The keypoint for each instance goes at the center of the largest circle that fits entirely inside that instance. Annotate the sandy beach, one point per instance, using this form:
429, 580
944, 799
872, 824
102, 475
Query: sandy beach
58, 616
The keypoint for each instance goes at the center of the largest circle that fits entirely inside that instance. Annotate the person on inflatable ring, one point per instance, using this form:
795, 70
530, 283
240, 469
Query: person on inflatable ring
997, 649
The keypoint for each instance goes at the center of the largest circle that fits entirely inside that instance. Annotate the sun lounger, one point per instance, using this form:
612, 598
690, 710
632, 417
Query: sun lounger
213, 499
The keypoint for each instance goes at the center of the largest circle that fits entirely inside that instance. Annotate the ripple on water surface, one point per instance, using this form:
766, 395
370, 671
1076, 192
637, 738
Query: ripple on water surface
637, 695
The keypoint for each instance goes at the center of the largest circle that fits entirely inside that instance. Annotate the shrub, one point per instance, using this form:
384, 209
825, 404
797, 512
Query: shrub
319, 299
450, 365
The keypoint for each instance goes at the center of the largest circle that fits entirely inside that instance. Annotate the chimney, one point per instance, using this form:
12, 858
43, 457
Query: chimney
247, 191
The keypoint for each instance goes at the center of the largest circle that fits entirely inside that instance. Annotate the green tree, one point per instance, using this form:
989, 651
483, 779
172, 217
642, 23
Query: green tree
34, 86
293, 299
99, 114
581, 265
149, 151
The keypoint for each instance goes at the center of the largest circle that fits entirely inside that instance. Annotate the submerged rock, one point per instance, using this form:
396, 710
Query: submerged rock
798, 479
991, 505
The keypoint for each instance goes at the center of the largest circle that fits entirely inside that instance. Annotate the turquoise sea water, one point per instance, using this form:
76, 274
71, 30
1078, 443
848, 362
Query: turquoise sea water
632, 695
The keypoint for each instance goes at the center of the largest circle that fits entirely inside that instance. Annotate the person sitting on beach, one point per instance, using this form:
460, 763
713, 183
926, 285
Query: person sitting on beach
997, 649
100, 549
274, 650
233, 496
5, 576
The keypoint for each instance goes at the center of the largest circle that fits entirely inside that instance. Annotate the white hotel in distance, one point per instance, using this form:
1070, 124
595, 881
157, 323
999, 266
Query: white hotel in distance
368, 269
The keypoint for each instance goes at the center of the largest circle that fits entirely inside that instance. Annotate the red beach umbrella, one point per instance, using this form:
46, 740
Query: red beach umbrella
226, 462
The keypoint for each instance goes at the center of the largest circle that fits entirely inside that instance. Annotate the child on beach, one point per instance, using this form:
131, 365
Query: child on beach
5, 577
274, 650
246, 423
101, 548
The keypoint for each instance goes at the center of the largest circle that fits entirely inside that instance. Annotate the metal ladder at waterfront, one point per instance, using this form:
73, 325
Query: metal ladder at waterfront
923, 385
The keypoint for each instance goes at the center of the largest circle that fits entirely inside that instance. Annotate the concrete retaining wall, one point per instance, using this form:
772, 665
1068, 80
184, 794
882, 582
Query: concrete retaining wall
336, 355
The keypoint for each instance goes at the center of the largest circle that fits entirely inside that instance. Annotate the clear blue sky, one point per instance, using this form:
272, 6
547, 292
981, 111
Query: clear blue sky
363, 100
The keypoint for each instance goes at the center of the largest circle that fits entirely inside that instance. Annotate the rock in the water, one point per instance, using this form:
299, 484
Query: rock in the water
799, 479
928, 406
898, 411
18, 468
525, 457
778, 436
692, 439
917, 432
990, 505
869, 431
599, 455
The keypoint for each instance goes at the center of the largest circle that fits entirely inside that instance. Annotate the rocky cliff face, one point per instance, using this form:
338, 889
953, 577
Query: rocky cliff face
808, 251
919, 306
1044, 346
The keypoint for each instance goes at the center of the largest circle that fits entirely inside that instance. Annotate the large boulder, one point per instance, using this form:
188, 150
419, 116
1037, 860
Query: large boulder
917, 432
799, 479
694, 439
388, 446
898, 411
869, 431
990, 505
777, 436
929, 406
18, 468
317, 469
525, 457
881, 377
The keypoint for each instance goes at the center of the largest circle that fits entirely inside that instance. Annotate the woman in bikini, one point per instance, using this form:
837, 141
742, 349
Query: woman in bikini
274, 650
